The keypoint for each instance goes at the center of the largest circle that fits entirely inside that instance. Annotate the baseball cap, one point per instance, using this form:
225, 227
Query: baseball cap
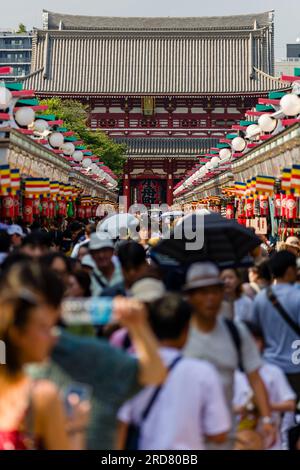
148, 289
100, 241
293, 242
202, 275
15, 230
88, 261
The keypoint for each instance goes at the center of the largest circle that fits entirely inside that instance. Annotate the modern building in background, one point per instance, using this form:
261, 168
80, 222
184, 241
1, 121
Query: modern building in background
287, 65
15, 51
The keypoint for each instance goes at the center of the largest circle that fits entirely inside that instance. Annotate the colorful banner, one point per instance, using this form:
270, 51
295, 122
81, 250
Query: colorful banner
265, 185
295, 179
286, 180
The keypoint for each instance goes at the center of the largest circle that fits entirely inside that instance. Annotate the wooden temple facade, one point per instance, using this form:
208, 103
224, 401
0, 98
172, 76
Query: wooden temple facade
168, 88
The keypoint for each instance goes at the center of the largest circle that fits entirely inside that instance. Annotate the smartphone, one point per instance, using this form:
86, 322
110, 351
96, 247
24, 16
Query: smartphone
76, 389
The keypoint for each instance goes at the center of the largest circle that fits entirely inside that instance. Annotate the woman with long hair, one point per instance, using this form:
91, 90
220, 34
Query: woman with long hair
31, 412
241, 305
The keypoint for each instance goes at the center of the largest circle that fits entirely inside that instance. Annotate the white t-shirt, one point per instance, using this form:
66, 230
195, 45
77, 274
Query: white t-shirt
277, 387
218, 348
190, 405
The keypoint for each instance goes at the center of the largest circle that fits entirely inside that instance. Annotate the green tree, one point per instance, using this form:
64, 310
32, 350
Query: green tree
75, 114
22, 29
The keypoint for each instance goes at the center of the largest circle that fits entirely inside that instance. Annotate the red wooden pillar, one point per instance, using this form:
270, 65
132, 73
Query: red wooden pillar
170, 190
170, 183
126, 190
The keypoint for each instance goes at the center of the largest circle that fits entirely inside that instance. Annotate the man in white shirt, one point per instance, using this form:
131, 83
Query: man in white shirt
190, 408
107, 270
225, 344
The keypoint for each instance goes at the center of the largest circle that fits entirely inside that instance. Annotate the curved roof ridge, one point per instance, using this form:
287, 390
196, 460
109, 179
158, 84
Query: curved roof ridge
270, 77
54, 20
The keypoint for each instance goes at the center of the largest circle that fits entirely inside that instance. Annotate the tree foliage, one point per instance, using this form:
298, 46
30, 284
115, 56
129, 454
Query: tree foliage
74, 114
22, 29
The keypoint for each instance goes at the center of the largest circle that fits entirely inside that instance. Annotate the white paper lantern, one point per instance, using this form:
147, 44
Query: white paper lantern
253, 131
40, 126
238, 144
94, 167
56, 139
215, 161
225, 154
5, 97
25, 116
87, 162
267, 123
77, 156
68, 148
290, 104
209, 165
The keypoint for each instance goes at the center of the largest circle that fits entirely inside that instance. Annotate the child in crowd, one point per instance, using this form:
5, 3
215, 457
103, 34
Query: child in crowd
281, 395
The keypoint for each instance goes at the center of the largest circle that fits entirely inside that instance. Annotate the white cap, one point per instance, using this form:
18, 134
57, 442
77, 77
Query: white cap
99, 241
15, 230
88, 261
148, 289
202, 275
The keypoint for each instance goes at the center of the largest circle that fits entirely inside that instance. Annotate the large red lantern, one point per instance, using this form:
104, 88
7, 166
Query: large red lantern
88, 212
7, 207
36, 206
81, 212
16, 206
277, 206
51, 209
249, 208
291, 207
28, 210
229, 211
263, 206
94, 210
283, 205
242, 212
62, 207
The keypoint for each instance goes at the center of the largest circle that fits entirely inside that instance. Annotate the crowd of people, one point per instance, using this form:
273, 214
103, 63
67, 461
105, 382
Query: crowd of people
212, 364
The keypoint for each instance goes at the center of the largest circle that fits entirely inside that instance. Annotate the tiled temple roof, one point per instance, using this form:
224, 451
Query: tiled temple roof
118, 56
167, 146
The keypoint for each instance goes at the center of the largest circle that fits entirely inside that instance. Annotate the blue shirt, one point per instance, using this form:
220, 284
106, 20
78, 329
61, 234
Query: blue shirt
279, 336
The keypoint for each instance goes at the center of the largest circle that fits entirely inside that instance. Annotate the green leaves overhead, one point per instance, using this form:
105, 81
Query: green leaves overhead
75, 115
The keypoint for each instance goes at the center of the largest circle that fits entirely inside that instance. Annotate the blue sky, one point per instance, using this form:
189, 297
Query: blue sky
287, 12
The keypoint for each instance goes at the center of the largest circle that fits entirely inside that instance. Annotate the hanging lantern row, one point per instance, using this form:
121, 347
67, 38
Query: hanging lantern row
37, 127
31, 198
282, 111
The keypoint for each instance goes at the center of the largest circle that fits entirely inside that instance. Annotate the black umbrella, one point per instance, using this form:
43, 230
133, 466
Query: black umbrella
225, 242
